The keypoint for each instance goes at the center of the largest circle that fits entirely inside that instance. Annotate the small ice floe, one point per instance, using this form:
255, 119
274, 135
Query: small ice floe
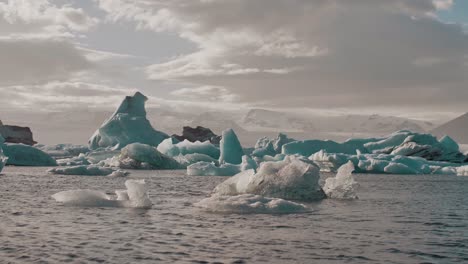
343, 185
249, 204
136, 196
85, 170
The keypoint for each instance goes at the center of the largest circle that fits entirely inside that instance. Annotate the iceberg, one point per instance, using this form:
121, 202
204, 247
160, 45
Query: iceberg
189, 159
249, 204
141, 156
342, 186
231, 149
136, 196
294, 178
271, 147
309, 147
90, 170
173, 149
462, 171
383, 163
204, 168
25, 155
127, 125
74, 161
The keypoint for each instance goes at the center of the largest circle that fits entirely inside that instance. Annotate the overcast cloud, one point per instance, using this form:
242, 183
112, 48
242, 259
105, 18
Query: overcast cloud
298, 54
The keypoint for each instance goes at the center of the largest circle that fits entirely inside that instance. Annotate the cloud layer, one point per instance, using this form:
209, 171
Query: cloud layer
321, 53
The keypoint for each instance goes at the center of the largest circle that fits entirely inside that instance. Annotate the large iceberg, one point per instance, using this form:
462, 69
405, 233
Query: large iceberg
24, 155
136, 196
231, 149
174, 149
141, 156
127, 125
293, 178
204, 168
342, 186
249, 204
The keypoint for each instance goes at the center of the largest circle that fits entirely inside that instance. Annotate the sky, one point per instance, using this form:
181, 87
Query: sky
392, 57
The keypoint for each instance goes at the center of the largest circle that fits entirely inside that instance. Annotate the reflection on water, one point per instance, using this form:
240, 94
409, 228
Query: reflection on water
398, 219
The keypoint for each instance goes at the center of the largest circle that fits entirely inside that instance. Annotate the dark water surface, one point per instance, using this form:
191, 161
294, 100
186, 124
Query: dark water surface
398, 219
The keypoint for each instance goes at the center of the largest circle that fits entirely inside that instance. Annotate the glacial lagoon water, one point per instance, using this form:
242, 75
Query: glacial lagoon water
398, 219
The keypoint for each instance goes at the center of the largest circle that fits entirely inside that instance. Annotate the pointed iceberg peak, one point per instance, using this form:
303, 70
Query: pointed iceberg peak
134, 105
231, 149
127, 125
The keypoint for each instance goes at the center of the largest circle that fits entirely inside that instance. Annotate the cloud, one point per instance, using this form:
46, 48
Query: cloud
61, 96
206, 93
42, 19
39, 61
319, 53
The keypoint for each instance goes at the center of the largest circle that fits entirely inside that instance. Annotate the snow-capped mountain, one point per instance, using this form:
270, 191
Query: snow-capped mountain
267, 120
456, 128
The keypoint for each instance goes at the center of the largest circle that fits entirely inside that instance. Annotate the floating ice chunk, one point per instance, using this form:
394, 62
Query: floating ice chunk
74, 161
189, 159
462, 171
249, 204
122, 195
293, 178
136, 196
3, 159
96, 156
62, 151
231, 149
203, 168
85, 170
185, 147
119, 173
127, 125
85, 198
24, 155
141, 156
211, 169
342, 186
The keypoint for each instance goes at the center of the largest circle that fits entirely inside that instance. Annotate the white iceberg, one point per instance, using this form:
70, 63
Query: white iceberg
231, 149
249, 204
462, 170
136, 196
24, 155
293, 178
127, 125
343, 185
204, 168
173, 149
85, 170
141, 156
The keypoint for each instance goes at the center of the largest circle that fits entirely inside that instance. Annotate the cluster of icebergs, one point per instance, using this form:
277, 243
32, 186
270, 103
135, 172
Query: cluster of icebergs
264, 177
